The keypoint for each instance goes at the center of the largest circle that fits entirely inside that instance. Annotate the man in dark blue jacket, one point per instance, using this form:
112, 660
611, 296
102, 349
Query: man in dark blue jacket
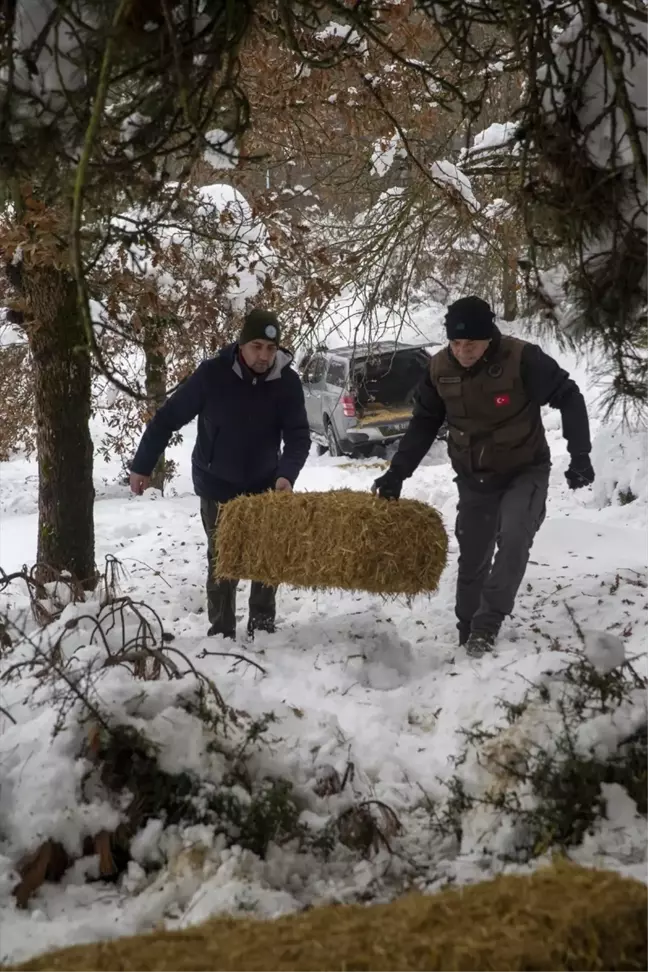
248, 400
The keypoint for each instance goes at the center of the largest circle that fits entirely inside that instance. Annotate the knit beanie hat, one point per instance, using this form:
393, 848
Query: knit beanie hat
260, 325
470, 319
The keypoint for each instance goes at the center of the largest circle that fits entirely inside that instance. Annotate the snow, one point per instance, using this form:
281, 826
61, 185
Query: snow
499, 209
223, 231
349, 677
384, 154
347, 34
44, 803
449, 174
250, 253
11, 336
131, 127
604, 651
47, 62
496, 136
222, 151
346, 321
579, 58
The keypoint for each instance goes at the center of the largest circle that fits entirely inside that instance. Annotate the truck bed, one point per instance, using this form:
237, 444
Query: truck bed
376, 414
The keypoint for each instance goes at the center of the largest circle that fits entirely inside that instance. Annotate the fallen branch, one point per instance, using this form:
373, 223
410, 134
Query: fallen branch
232, 654
8, 715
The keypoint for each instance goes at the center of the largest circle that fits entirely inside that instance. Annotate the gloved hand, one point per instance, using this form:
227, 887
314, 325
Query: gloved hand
580, 472
388, 486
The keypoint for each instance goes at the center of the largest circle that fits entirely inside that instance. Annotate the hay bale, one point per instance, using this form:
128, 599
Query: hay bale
562, 917
339, 539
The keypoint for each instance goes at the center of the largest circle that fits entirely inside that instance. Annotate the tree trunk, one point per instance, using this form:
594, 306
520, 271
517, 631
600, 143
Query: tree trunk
509, 282
62, 413
156, 383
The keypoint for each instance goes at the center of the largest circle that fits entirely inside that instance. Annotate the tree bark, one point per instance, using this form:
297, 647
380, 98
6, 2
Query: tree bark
62, 380
509, 283
156, 383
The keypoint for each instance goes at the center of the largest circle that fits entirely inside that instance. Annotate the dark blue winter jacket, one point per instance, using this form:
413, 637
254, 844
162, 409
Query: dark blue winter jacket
242, 420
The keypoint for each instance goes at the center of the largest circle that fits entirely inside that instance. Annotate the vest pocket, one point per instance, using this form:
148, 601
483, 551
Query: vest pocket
459, 437
459, 447
452, 395
507, 434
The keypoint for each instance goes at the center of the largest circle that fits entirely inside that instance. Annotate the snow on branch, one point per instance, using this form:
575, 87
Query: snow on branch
384, 154
221, 151
449, 174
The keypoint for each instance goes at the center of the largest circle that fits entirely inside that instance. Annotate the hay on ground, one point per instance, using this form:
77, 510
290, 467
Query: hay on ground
562, 917
363, 464
340, 539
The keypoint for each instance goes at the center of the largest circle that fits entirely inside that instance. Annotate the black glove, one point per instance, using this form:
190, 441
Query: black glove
580, 472
388, 486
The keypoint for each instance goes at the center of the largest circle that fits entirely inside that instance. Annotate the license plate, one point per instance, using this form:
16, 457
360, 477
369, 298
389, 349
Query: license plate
395, 429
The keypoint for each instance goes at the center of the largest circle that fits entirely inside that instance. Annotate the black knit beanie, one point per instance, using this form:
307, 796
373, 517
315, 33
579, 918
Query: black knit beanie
471, 319
260, 325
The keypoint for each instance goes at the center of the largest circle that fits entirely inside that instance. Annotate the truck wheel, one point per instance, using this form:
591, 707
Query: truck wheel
333, 444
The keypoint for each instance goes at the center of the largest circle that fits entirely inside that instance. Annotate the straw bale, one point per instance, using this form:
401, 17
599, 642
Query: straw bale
339, 539
562, 917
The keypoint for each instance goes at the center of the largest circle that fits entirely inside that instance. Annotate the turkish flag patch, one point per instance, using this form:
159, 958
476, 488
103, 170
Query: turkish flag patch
502, 400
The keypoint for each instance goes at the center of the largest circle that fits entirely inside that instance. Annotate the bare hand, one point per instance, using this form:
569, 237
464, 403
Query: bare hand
283, 485
139, 483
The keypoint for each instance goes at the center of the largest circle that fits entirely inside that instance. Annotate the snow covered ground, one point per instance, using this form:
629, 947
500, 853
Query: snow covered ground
350, 677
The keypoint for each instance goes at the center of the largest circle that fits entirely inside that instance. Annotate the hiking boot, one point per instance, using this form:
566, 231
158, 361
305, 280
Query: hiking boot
479, 643
261, 624
214, 631
464, 634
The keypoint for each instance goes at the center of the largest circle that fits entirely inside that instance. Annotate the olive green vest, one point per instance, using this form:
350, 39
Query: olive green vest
494, 430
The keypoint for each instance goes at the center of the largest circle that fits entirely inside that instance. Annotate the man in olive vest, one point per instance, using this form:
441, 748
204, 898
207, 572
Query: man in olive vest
490, 389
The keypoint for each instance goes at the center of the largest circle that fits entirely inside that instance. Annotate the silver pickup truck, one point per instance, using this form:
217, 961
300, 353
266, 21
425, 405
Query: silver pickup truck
359, 399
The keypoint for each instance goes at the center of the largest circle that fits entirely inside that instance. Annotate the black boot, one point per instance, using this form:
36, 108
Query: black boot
480, 643
215, 630
464, 634
260, 623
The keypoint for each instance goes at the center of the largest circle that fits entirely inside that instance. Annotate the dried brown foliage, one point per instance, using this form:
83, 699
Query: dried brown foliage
16, 401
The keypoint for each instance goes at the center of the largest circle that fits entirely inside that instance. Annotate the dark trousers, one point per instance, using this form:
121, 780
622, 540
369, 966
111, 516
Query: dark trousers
221, 594
495, 531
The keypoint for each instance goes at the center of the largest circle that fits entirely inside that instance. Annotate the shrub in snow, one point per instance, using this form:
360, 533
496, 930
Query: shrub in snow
110, 772
542, 780
133, 750
620, 457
